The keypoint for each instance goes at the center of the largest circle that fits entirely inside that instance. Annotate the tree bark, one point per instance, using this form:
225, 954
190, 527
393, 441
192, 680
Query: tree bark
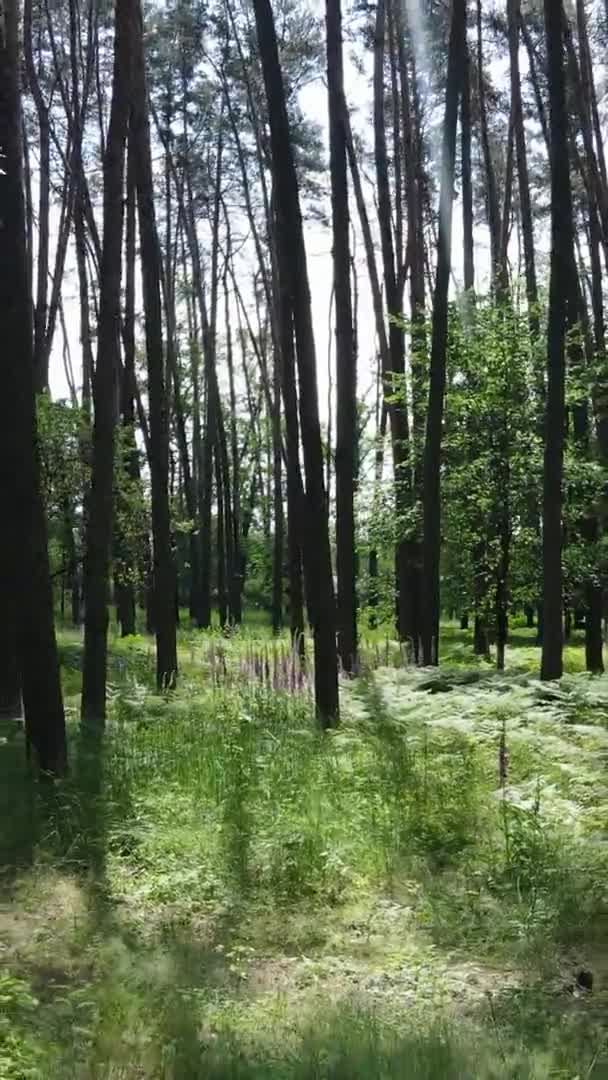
235, 584
164, 568
432, 449
293, 265
394, 376
523, 180
562, 263
491, 186
124, 569
100, 501
346, 365
44, 202
28, 644
467, 179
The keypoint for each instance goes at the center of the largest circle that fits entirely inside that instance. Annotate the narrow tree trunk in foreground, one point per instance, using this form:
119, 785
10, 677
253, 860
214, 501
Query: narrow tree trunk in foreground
100, 501
164, 569
346, 365
293, 265
432, 449
26, 594
467, 179
562, 263
393, 375
277, 502
295, 494
124, 569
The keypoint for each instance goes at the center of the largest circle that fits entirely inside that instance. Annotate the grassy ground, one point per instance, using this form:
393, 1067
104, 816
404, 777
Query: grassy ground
218, 891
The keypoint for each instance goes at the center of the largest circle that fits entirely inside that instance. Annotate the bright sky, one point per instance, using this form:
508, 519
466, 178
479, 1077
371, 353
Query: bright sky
318, 242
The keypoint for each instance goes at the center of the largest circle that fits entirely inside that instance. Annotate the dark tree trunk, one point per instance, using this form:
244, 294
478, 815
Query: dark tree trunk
467, 177
480, 635
212, 403
41, 374
295, 493
174, 377
277, 501
124, 569
562, 264
100, 500
10, 675
346, 365
164, 569
235, 584
148, 585
491, 189
432, 450
220, 550
368, 243
567, 621
206, 499
414, 263
28, 637
381, 419
588, 525
394, 376
292, 260
514, 17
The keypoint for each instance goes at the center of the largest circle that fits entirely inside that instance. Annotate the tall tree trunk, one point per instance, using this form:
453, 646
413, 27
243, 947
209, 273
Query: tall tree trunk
28, 633
394, 376
164, 569
235, 584
124, 569
346, 366
432, 449
44, 202
467, 179
562, 264
368, 243
293, 265
296, 515
220, 548
491, 186
277, 501
525, 205
100, 501
480, 634
588, 525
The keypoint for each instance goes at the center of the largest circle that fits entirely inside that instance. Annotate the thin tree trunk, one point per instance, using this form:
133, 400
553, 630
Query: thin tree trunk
124, 570
562, 263
394, 376
467, 179
100, 501
277, 500
491, 187
432, 450
44, 201
28, 644
346, 365
368, 244
296, 516
292, 260
525, 205
164, 569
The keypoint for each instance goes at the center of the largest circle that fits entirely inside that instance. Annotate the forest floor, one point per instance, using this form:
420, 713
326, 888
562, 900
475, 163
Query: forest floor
219, 891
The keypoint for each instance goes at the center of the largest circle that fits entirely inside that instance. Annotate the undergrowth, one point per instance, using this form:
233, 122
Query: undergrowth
220, 890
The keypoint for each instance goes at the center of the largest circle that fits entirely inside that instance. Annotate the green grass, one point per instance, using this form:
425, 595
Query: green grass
217, 890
